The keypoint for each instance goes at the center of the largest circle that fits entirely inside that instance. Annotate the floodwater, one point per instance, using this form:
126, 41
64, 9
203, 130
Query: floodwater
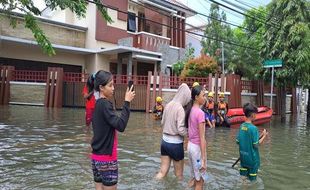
42, 148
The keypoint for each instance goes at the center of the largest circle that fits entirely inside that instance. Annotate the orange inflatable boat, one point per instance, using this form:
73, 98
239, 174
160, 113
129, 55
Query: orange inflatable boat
236, 116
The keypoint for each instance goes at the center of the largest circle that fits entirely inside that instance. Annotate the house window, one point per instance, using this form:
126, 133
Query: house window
141, 22
131, 22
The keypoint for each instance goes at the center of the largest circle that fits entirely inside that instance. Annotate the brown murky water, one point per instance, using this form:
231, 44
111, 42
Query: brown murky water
44, 148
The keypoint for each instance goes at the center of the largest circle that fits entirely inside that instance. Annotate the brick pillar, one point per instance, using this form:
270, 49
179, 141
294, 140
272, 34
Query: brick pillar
179, 32
174, 38
171, 31
183, 31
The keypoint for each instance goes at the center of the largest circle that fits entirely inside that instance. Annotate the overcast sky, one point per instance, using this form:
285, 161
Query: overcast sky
203, 6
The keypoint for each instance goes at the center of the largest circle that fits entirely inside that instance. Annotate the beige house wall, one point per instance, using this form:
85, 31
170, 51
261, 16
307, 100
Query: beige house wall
116, 23
56, 34
90, 66
57, 15
62, 35
102, 62
33, 52
97, 62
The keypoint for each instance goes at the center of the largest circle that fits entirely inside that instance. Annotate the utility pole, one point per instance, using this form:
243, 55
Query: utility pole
223, 70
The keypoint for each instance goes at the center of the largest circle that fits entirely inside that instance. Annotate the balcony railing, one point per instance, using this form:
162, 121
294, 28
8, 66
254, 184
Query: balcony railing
149, 41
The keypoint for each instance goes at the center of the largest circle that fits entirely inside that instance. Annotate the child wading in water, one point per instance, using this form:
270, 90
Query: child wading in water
105, 126
196, 135
248, 140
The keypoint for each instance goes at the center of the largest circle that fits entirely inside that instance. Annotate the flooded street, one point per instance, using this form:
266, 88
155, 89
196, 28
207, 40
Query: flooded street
43, 148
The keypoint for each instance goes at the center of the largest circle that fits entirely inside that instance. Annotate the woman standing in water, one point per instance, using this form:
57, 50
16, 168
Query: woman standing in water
174, 131
196, 138
105, 126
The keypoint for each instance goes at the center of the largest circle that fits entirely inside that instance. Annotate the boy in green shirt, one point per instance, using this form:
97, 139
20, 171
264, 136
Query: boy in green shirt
248, 140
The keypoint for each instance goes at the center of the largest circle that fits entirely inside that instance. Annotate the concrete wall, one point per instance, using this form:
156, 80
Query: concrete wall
32, 93
170, 55
56, 34
252, 99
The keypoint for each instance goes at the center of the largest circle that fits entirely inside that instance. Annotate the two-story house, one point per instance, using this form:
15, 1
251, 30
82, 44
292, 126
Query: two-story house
145, 35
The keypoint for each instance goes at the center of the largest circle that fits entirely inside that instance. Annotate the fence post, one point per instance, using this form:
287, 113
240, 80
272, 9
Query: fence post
59, 75
7, 90
6, 75
2, 84
234, 87
259, 89
154, 90
160, 86
148, 91
210, 83
293, 101
216, 89
53, 90
278, 106
223, 83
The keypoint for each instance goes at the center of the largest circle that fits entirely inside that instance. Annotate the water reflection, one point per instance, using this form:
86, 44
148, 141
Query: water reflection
44, 148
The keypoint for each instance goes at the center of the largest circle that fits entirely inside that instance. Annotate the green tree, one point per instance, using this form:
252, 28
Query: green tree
28, 8
218, 31
247, 62
289, 40
200, 66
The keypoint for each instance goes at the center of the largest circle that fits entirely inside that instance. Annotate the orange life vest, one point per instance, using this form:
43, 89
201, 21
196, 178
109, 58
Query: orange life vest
159, 108
222, 105
210, 105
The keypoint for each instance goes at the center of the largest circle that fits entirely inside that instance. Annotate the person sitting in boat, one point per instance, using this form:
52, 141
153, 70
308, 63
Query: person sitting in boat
208, 108
222, 119
158, 108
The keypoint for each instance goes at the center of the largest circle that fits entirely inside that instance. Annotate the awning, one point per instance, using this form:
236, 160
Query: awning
125, 49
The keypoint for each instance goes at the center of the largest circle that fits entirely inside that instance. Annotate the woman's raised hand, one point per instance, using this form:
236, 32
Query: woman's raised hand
130, 94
